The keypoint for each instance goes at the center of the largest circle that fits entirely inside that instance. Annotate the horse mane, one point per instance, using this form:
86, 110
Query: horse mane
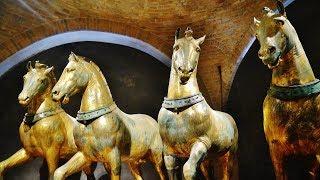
94, 65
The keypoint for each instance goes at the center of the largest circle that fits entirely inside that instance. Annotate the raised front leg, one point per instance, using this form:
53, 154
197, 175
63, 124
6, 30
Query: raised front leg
17, 158
170, 163
277, 160
198, 151
114, 162
75, 164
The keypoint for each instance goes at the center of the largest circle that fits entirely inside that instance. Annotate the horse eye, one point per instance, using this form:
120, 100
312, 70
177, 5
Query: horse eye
176, 47
198, 49
69, 70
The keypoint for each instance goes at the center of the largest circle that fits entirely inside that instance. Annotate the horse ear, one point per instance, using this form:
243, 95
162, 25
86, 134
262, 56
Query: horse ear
73, 57
177, 34
280, 20
38, 65
201, 40
48, 70
29, 66
281, 8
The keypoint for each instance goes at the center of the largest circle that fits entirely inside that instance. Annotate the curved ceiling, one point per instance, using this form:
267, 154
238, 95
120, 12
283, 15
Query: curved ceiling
226, 24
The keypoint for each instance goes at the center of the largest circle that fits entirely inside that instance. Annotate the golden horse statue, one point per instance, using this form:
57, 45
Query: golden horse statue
189, 127
292, 106
107, 135
46, 130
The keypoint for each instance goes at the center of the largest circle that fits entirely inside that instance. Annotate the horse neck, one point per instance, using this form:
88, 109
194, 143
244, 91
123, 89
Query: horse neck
177, 90
294, 67
43, 101
97, 93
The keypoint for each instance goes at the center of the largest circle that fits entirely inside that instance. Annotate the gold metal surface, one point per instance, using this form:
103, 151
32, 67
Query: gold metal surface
291, 127
50, 137
113, 137
196, 132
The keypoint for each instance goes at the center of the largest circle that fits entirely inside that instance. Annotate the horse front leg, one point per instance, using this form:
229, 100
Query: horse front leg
198, 151
170, 163
114, 161
75, 164
89, 171
221, 167
277, 158
52, 158
17, 158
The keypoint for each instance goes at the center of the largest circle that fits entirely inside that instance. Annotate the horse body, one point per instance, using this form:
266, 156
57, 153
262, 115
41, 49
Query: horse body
198, 122
194, 130
50, 137
291, 124
58, 127
112, 137
118, 129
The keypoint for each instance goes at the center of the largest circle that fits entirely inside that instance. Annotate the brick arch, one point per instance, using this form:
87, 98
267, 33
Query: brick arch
23, 39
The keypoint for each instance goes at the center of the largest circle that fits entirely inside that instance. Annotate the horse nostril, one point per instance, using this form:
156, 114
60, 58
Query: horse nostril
272, 49
55, 92
260, 54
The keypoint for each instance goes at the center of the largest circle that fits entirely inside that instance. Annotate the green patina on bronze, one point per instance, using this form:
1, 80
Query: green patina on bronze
294, 92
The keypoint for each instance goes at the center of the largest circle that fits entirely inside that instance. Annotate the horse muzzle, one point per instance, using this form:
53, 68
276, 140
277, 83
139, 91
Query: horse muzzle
184, 79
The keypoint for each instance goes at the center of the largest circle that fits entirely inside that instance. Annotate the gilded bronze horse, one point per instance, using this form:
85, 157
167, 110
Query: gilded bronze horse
189, 127
107, 135
291, 109
46, 130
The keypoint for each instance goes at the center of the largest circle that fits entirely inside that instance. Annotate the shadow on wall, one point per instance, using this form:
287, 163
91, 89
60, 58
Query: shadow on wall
138, 83
249, 88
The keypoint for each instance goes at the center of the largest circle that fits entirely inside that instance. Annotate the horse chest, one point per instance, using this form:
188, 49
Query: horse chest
180, 130
100, 135
292, 121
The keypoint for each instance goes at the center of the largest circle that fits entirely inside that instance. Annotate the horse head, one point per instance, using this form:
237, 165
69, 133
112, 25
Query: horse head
275, 35
74, 77
185, 55
38, 81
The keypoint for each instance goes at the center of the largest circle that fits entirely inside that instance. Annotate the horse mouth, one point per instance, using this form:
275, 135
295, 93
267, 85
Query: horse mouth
24, 102
65, 99
184, 80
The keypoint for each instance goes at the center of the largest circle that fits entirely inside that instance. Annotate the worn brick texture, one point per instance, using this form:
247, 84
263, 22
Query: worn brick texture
226, 23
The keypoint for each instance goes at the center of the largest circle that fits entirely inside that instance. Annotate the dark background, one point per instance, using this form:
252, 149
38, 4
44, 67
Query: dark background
249, 88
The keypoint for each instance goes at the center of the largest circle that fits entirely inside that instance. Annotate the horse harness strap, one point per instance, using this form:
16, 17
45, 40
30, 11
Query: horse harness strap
294, 92
94, 114
33, 118
183, 102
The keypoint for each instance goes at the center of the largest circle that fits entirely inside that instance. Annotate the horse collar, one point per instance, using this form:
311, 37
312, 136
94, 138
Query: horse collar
182, 102
31, 119
294, 92
83, 117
